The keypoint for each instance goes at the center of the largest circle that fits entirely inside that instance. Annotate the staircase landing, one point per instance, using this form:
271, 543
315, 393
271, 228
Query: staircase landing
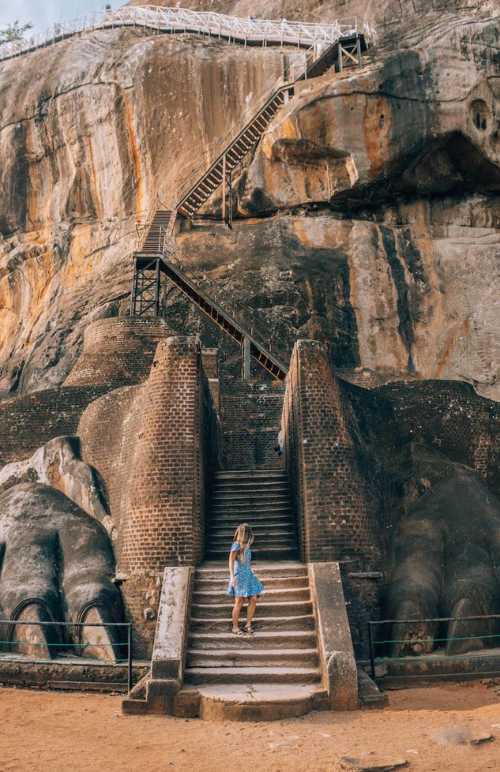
250, 702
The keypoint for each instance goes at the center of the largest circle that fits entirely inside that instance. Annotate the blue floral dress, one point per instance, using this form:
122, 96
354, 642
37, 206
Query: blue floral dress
246, 583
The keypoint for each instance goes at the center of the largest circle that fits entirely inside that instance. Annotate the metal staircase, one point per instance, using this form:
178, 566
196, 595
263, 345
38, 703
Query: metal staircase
152, 260
221, 169
146, 301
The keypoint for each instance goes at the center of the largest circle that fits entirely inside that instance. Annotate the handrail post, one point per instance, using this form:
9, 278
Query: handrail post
247, 366
230, 199
133, 294
157, 287
372, 655
224, 188
358, 51
129, 662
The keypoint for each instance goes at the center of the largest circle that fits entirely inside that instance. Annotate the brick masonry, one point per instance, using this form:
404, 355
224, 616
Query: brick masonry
27, 423
251, 413
335, 511
117, 351
153, 445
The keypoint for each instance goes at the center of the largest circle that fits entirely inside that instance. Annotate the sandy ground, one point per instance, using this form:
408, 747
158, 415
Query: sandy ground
59, 732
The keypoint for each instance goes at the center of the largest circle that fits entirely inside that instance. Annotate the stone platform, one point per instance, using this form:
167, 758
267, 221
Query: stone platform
250, 702
425, 671
68, 673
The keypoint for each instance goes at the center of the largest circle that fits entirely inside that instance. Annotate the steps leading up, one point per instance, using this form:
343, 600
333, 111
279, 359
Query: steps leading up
273, 673
260, 498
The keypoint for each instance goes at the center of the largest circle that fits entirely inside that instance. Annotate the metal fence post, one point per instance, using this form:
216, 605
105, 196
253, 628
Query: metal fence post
372, 655
129, 663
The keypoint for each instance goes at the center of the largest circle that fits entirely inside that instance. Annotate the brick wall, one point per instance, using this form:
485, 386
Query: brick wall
28, 422
153, 445
250, 413
117, 351
335, 513
107, 430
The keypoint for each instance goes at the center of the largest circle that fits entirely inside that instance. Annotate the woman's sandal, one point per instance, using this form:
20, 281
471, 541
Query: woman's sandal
248, 629
237, 632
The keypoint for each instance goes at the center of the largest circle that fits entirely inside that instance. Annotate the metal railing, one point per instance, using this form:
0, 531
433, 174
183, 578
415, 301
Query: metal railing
386, 642
127, 645
239, 30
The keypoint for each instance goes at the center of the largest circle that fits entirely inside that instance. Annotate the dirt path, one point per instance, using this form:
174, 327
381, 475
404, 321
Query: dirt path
57, 732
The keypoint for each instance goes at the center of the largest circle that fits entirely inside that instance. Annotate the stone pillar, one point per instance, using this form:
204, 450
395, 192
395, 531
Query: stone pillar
163, 518
335, 520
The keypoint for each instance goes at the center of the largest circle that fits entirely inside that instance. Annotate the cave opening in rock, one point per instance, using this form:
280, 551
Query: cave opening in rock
479, 110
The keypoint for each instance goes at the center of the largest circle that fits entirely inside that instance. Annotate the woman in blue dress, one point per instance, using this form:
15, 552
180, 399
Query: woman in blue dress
242, 581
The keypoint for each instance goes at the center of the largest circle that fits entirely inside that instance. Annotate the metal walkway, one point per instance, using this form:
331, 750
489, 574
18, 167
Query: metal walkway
152, 260
233, 29
157, 238
146, 300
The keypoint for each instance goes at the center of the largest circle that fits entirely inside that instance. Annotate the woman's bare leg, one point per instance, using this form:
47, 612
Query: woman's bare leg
238, 603
252, 603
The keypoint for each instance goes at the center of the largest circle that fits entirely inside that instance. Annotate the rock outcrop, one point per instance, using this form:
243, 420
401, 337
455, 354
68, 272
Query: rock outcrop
388, 174
368, 218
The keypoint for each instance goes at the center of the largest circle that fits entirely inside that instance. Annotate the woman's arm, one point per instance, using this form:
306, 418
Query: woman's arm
232, 558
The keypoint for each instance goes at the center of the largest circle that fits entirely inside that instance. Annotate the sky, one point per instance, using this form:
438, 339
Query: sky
43, 13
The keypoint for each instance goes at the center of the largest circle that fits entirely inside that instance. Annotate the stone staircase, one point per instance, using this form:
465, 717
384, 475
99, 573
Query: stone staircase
244, 677
259, 497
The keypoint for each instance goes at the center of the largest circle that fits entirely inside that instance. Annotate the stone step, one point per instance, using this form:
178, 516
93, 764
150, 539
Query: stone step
271, 582
261, 624
259, 531
251, 497
238, 511
257, 526
227, 515
250, 474
220, 596
216, 542
223, 547
265, 569
231, 658
249, 702
265, 609
270, 553
245, 675
255, 485
234, 514
288, 639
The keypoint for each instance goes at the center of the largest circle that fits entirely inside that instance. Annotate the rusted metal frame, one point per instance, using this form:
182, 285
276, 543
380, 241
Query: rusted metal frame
222, 318
146, 289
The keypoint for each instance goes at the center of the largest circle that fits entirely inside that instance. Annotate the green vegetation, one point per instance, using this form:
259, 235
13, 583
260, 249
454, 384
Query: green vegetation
14, 32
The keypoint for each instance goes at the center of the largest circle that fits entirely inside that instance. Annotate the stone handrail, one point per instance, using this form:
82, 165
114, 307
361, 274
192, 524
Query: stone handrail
243, 31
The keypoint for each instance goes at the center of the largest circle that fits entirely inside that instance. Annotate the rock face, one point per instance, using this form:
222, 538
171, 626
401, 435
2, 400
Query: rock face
368, 218
379, 190
57, 561
92, 131
441, 566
